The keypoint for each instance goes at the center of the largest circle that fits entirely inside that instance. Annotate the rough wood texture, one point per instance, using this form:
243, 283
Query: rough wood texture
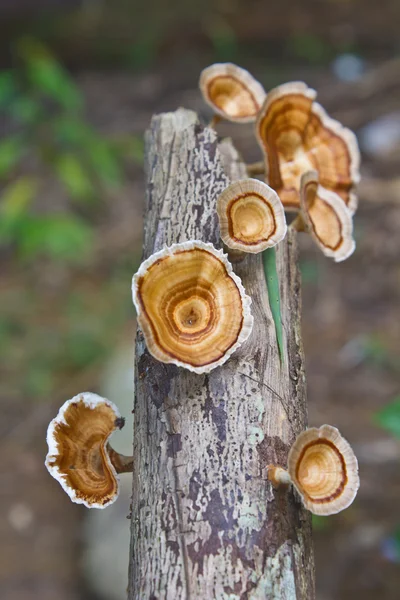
206, 523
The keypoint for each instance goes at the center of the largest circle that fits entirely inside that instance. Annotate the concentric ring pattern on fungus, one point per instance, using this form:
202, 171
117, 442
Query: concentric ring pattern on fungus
297, 135
328, 219
77, 456
324, 470
191, 307
251, 216
232, 92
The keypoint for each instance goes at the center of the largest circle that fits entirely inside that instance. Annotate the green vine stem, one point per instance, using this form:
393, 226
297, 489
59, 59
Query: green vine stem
272, 281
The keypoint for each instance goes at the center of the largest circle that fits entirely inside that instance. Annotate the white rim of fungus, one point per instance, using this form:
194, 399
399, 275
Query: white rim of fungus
349, 137
248, 320
243, 76
92, 401
258, 187
342, 212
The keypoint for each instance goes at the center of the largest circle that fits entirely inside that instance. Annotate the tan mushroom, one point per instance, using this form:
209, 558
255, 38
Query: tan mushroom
296, 136
251, 216
327, 218
232, 92
324, 470
79, 455
191, 307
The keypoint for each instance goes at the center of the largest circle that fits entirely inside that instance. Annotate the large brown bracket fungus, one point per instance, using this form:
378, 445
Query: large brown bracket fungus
192, 308
327, 218
323, 469
251, 216
79, 455
296, 135
232, 92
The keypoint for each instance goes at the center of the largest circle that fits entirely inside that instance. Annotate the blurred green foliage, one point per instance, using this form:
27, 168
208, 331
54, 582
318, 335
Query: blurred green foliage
312, 48
44, 110
56, 307
48, 339
389, 417
320, 523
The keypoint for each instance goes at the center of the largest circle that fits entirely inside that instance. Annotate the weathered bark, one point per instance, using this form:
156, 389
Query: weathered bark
206, 523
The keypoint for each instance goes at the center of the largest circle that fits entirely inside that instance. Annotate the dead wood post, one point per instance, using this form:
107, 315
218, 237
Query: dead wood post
206, 523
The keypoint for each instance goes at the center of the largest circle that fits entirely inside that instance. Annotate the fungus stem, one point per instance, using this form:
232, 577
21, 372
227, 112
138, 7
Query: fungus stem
257, 168
272, 281
214, 121
278, 476
298, 223
121, 463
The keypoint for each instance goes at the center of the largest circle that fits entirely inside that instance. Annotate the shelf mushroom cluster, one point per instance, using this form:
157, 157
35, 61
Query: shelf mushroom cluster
301, 144
192, 307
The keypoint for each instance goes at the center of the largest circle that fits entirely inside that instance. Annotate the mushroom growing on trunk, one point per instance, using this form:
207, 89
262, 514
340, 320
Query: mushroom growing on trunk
323, 468
232, 92
191, 307
296, 135
251, 216
326, 217
80, 456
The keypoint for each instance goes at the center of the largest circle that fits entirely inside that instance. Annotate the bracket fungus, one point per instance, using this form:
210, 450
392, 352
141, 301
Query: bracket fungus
79, 455
251, 216
323, 469
327, 218
232, 92
296, 135
192, 308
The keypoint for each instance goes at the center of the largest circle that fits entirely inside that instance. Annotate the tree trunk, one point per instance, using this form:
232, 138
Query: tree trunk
206, 522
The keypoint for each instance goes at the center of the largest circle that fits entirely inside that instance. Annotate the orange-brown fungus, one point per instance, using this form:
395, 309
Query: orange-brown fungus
328, 219
232, 97
77, 456
191, 307
321, 471
324, 470
232, 92
296, 136
251, 216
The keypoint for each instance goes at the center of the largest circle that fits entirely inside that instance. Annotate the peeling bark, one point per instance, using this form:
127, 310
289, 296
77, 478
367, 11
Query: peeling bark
206, 522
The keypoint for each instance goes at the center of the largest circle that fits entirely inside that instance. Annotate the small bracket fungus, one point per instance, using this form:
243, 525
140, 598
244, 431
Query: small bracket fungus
79, 456
192, 308
327, 218
251, 216
296, 136
324, 470
232, 92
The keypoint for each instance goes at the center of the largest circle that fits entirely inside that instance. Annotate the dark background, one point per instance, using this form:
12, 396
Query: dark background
71, 240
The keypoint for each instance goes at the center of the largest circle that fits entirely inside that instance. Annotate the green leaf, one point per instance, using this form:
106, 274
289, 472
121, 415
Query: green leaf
8, 87
15, 201
320, 523
389, 417
73, 175
12, 150
25, 110
61, 237
130, 147
223, 38
272, 280
71, 130
47, 76
104, 162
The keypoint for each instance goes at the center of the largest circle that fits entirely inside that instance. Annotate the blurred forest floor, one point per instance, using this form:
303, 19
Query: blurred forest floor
61, 322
